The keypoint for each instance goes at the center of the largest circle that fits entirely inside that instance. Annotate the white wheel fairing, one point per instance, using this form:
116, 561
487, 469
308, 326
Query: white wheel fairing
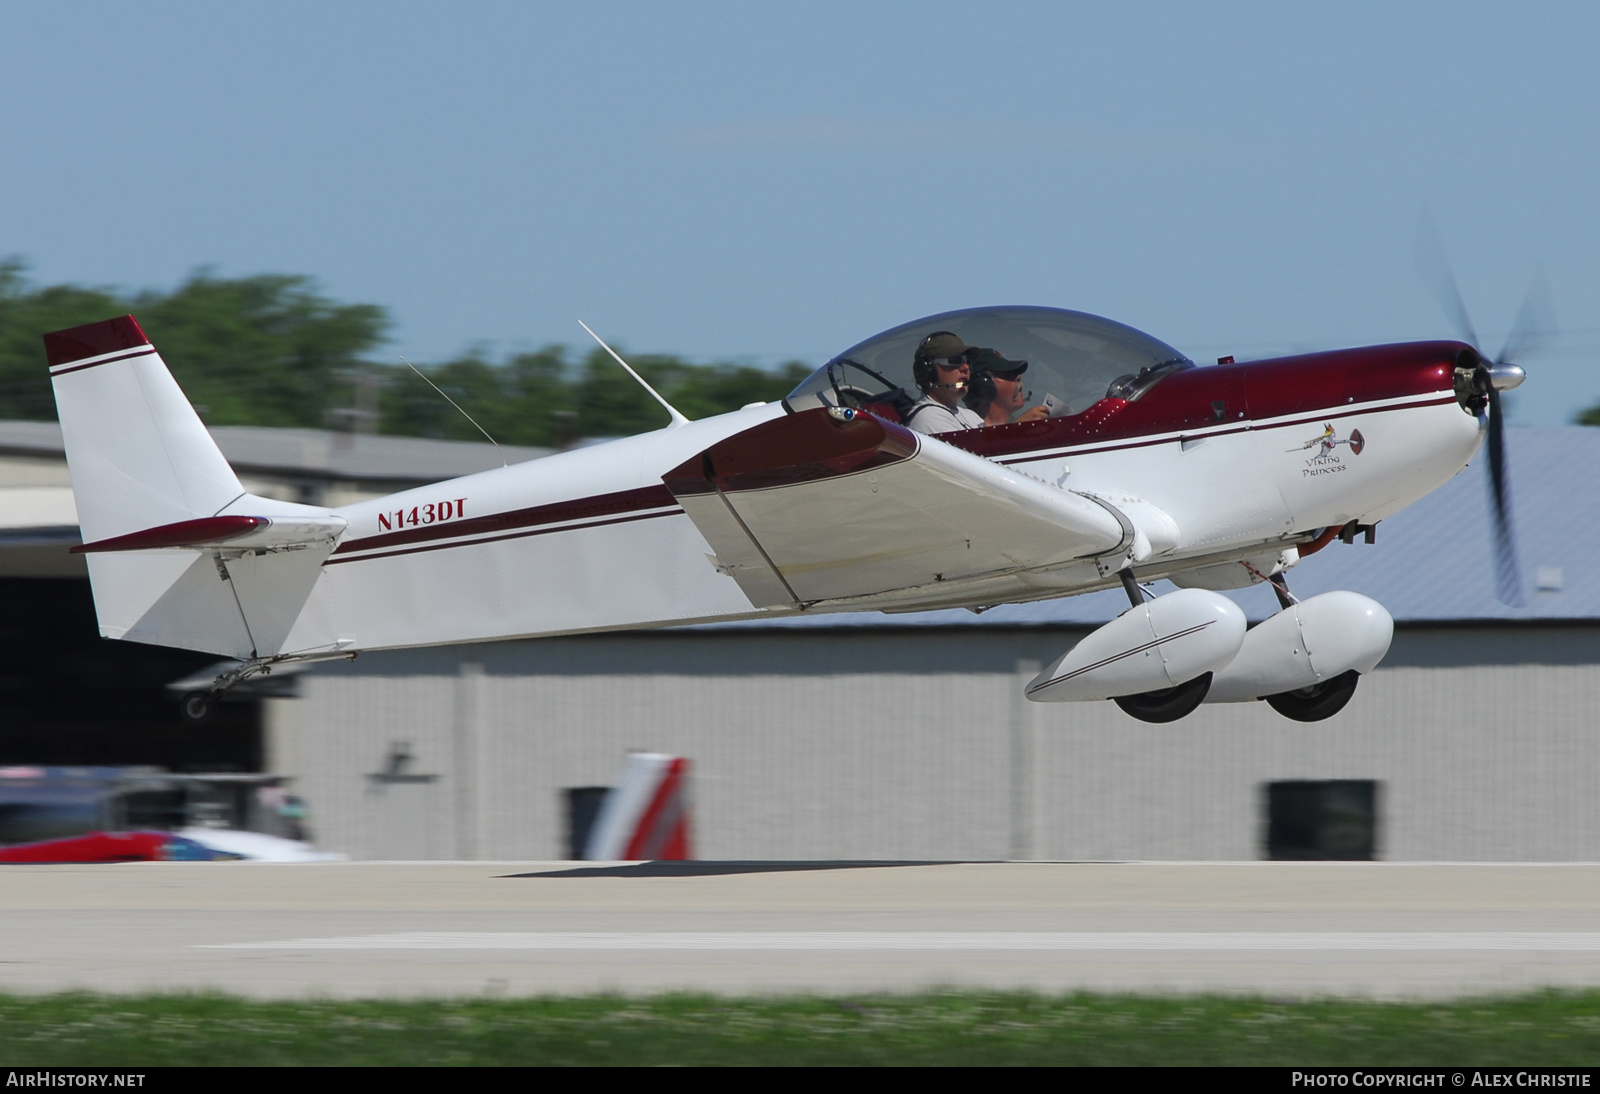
1159, 644
1305, 645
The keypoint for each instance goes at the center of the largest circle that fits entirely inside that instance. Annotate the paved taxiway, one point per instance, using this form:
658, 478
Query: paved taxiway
401, 929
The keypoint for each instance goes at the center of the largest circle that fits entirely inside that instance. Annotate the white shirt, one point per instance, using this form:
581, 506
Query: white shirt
929, 415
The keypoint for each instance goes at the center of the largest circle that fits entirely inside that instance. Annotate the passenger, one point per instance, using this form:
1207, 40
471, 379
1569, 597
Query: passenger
941, 371
995, 392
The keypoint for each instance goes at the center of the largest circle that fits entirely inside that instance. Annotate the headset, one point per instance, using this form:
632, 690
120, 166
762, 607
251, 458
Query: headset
923, 371
980, 392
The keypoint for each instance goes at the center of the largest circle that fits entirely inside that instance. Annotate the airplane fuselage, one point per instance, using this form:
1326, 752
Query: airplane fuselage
1215, 465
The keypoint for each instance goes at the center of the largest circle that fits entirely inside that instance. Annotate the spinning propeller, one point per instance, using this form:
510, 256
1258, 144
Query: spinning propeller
1535, 321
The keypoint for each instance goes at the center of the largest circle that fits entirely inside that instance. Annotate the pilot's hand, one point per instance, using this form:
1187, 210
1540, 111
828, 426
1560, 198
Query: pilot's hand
1034, 414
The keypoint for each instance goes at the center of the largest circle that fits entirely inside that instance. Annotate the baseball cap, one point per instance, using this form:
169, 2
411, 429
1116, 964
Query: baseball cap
989, 360
942, 345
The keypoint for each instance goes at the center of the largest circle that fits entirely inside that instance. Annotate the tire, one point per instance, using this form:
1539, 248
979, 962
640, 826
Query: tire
1168, 704
196, 708
1317, 702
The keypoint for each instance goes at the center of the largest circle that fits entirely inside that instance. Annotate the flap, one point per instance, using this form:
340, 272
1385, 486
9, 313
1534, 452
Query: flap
834, 503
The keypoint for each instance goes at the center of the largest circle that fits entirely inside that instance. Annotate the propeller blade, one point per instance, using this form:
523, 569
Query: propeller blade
1441, 280
1535, 325
1535, 321
1507, 568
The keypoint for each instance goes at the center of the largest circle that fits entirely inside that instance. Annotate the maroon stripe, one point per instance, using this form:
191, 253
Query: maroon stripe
1198, 399
96, 364
1064, 452
185, 533
803, 447
509, 535
601, 505
1354, 411
1329, 412
1308, 383
62, 347
790, 476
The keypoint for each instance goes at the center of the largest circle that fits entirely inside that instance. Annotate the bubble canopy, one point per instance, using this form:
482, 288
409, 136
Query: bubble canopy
1077, 358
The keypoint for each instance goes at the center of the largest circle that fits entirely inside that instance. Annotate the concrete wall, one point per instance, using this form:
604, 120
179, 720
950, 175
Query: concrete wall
888, 744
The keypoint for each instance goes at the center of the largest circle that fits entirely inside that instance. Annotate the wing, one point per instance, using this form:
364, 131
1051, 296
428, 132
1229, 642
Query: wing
833, 504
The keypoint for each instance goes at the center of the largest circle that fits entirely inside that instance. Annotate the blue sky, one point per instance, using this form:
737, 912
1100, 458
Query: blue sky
760, 182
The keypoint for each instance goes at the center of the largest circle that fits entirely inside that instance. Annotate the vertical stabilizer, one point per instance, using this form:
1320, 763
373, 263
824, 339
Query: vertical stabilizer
167, 564
139, 455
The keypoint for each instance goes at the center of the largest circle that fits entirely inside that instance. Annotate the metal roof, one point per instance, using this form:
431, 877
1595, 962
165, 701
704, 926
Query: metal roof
312, 453
1431, 563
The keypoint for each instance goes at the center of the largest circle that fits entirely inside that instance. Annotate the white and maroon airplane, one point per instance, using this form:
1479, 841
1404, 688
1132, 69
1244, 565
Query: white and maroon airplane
1214, 477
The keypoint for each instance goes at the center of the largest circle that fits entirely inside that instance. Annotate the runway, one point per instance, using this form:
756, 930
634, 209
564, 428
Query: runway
1384, 930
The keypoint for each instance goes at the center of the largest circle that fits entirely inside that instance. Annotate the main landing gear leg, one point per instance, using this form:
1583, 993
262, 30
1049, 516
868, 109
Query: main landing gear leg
1130, 585
1280, 588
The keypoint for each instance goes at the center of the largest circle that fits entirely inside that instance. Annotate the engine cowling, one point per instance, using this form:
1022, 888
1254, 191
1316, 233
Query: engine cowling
1158, 645
1306, 645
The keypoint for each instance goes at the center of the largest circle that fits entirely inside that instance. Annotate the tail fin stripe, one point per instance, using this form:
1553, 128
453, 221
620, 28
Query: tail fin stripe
92, 362
63, 347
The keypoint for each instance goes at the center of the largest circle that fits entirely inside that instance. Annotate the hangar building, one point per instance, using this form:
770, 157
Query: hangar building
906, 737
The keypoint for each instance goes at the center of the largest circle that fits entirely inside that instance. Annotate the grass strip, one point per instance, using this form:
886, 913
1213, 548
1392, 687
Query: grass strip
942, 1028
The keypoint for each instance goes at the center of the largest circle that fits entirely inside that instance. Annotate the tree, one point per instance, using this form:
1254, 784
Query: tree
24, 318
545, 399
518, 402
264, 350
270, 350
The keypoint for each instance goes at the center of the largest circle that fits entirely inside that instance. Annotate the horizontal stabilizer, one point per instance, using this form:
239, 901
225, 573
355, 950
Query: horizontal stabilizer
230, 532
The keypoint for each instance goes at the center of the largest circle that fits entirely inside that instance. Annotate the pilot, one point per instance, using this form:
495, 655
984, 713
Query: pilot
941, 370
995, 392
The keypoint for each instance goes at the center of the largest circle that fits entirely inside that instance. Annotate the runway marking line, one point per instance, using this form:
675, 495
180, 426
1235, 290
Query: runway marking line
941, 940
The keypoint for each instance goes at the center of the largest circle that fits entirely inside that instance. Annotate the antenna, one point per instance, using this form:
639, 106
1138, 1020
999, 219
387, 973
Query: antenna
464, 414
677, 419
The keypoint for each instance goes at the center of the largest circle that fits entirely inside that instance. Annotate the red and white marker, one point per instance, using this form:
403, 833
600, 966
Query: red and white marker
646, 815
